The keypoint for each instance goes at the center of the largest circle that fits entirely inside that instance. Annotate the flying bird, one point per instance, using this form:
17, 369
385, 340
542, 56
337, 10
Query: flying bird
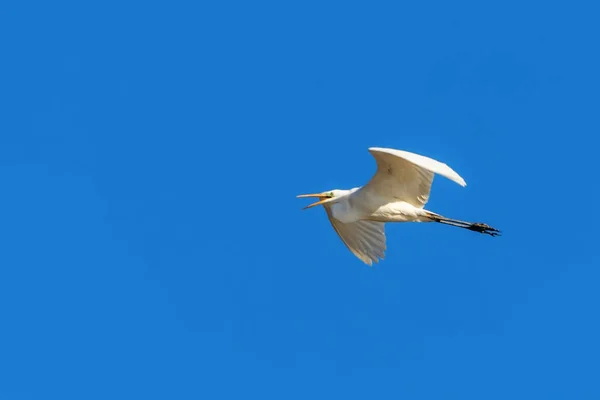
396, 193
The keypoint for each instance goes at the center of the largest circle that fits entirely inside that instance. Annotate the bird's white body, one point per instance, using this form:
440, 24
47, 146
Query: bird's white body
397, 192
347, 210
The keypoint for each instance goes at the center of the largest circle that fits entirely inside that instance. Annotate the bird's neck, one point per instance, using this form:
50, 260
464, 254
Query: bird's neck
343, 211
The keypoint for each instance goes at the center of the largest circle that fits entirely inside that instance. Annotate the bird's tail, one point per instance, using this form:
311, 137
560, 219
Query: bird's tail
472, 226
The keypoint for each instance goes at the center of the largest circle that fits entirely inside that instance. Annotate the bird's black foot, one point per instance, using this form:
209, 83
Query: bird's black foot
484, 228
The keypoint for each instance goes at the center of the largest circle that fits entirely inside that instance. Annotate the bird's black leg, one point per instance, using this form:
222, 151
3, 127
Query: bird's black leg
484, 228
472, 226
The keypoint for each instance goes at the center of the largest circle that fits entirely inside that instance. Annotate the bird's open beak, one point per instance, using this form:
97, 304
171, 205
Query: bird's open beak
322, 199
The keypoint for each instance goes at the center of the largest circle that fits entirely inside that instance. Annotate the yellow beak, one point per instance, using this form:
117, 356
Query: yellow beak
321, 196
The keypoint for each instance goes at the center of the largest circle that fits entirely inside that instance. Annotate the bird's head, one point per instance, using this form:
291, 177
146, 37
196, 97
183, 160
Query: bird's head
324, 197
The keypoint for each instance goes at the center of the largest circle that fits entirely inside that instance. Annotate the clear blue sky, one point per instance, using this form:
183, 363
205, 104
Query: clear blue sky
152, 246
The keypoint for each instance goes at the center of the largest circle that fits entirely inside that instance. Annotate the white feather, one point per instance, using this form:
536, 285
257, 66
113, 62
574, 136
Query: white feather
404, 176
365, 239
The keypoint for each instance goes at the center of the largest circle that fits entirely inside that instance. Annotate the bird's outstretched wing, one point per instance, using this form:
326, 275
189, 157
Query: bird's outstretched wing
365, 239
404, 176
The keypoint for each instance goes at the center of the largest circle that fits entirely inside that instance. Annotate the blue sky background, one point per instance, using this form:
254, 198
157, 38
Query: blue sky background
152, 245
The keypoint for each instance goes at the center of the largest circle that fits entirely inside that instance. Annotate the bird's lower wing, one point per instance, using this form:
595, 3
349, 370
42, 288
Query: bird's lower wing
365, 239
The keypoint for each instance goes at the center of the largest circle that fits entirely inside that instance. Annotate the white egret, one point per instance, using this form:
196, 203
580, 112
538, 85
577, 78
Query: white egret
396, 193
